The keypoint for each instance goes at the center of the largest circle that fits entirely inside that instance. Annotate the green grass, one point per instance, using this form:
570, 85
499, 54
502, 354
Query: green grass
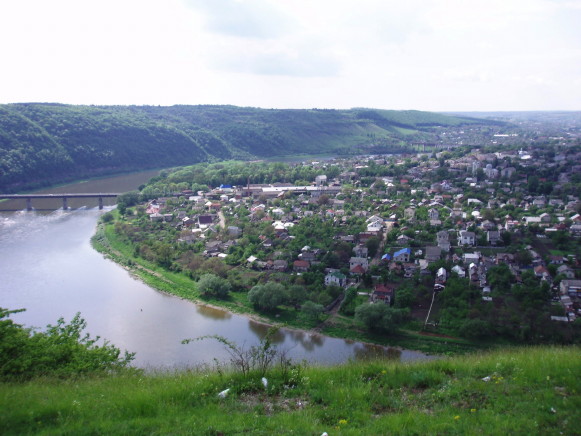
530, 391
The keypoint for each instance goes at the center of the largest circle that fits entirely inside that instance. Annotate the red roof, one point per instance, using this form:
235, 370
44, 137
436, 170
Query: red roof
301, 264
358, 269
383, 289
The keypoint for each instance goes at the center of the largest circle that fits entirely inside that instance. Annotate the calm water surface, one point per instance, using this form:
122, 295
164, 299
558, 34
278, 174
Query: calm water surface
48, 267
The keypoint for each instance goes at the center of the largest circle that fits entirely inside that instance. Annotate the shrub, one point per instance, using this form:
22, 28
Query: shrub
267, 297
211, 285
380, 317
62, 350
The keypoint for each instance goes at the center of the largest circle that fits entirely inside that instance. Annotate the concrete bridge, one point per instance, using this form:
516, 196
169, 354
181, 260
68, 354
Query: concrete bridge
64, 197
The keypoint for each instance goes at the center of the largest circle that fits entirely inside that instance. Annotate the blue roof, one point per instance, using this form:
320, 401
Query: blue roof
402, 251
225, 186
386, 256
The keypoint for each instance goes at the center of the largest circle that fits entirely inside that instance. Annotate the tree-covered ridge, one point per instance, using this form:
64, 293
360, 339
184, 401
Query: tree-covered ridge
47, 143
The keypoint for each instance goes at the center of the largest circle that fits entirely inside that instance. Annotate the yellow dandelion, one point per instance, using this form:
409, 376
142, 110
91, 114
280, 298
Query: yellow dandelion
472, 410
342, 422
457, 417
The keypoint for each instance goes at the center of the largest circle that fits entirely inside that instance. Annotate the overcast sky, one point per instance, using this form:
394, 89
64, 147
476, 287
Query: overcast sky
440, 55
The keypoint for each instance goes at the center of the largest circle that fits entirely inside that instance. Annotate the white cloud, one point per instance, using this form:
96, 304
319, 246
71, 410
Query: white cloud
250, 18
422, 54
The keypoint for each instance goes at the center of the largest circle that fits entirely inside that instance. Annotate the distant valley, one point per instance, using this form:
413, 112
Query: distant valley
44, 144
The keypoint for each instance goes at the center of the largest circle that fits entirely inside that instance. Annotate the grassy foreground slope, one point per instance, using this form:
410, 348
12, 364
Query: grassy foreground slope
516, 391
48, 143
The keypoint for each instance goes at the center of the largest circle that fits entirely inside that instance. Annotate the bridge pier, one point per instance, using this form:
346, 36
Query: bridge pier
29, 204
100, 203
65, 203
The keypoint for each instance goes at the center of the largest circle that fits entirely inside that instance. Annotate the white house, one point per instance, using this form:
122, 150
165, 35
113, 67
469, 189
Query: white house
335, 278
466, 238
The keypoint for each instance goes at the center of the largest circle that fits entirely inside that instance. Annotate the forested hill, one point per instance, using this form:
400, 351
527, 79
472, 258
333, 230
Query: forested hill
42, 144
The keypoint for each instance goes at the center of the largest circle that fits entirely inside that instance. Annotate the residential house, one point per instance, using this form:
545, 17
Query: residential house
321, 180
567, 271
443, 240
542, 272
205, 220
383, 293
433, 214
359, 261
335, 278
308, 255
471, 258
556, 260
571, 288
507, 258
360, 250
280, 265
459, 270
466, 238
234, 231
403, 240
402, 255
510, 224
300, 266
528, 220
488, 225
156, 217
441, 275
433, 254
493, 237
507, 172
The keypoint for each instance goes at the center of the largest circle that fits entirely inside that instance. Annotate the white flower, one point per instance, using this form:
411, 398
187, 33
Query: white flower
224, 393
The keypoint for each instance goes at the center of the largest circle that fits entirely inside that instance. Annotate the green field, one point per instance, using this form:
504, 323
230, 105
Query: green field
515, 391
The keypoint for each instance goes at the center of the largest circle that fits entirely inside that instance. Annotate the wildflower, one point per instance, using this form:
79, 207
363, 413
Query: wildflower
457, 417
342, 422
384, 372
472, 410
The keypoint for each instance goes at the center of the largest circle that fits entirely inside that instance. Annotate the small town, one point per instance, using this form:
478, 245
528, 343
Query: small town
479, 243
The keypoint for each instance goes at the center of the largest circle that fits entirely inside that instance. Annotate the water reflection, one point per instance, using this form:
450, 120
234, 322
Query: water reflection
370, 352
213, 313
260, 329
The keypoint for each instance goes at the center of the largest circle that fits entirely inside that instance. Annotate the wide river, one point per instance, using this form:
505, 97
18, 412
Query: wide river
48, 267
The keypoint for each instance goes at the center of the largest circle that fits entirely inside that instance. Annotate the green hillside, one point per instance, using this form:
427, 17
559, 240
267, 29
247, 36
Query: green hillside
518, 391
43, 144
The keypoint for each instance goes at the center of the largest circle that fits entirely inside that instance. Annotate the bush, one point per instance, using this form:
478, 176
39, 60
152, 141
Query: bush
61, 351
312, 310
267, 297
475, 329
107, 217
380, 317
214, 286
